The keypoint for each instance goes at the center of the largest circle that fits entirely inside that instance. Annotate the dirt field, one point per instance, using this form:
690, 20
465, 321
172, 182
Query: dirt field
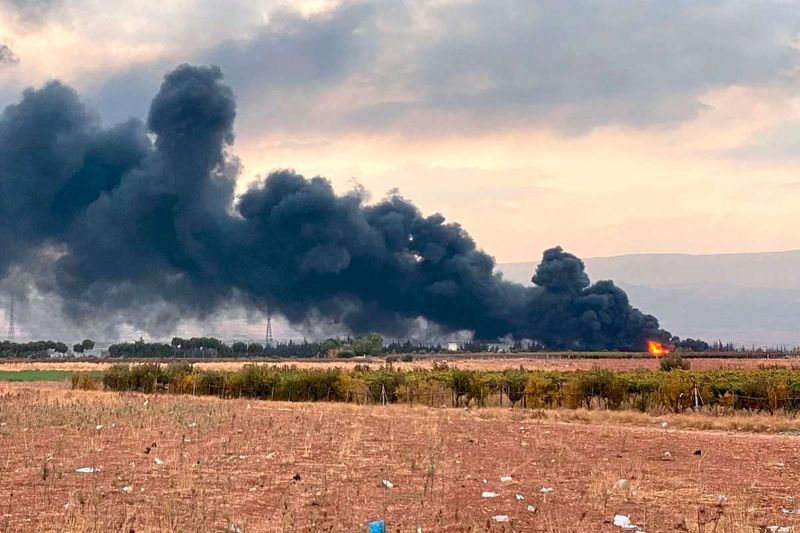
498, 363
241, 465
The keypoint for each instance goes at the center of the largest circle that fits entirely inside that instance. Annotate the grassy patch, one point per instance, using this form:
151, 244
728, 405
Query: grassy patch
35, 375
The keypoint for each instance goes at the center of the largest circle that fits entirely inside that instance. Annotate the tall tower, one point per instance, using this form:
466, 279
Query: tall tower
268, 337
12, 330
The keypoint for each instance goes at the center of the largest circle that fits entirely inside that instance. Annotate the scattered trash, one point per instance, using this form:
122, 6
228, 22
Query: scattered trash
546, 490
242, 457
158, 461
193, 424
778, 529
488, 494
388, 484
501, 518
664, 425
485, 482
790, 511
624, 522
146, 402
520, 497
87, 470
235, 528
722, 499
506, 479
127, 489
98, 427
666, 456
698, 452
532, 509
147, 450
271, 455
296, 477
379, 526
621, 484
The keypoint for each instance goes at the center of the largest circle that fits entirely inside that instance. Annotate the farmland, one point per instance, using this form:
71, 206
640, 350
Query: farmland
273, 466
192, 462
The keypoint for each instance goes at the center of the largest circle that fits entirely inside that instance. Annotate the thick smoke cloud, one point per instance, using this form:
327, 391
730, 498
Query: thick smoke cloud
138, 214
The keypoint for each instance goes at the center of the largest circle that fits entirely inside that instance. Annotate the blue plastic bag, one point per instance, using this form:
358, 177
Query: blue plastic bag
377, 527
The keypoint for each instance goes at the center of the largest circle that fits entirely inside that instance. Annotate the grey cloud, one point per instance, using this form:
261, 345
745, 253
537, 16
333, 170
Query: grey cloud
31, 11
7, 55
488, 64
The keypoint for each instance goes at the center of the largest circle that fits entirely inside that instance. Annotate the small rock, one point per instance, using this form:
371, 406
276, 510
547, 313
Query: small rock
296, 477
698, 452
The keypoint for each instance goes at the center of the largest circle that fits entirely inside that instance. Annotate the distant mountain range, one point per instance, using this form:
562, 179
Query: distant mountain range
750, 299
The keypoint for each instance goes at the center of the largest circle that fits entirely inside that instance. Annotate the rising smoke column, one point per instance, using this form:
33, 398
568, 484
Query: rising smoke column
142, 214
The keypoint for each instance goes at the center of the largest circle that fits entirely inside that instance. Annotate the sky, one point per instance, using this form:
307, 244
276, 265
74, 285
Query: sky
607, 127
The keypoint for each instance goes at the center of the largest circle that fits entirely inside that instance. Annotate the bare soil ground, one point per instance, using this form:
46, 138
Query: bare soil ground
262, 466
496, 363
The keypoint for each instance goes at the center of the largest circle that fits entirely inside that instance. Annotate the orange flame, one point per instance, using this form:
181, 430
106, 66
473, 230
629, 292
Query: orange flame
657, 349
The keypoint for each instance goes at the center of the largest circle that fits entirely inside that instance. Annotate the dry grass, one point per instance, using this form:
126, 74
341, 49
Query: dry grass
230, 464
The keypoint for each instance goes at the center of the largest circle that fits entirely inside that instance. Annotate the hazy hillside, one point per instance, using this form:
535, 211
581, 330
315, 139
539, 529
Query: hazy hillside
744, 298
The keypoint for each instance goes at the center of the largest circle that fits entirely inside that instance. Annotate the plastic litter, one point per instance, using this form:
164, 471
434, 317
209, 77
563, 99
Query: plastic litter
621, 484
488, 494
506, 479
127, 489
546, 490
624, 522
87, 470
778, 529
520, 497
790, 511
388, 484
158, 461
501, 518
531, 508
378, 526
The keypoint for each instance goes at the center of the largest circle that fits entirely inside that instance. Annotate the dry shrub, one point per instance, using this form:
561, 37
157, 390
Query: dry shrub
85, 381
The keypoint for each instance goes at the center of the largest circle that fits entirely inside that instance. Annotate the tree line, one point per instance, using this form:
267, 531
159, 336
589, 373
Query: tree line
723, 390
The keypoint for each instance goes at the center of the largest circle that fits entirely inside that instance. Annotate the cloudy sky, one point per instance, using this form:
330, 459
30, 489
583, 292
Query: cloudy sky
604, 126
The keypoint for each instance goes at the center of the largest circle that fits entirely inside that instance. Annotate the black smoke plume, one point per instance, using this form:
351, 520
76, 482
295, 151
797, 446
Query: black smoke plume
144, 214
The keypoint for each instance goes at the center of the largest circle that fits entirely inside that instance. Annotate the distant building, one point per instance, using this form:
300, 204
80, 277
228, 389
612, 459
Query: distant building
452, 346
500, 346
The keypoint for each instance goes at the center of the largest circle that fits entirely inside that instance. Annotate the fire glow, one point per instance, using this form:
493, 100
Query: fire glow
657, 349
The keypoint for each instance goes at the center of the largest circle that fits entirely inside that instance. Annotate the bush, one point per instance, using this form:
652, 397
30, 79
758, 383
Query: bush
117, 378
85, 381
674, 361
